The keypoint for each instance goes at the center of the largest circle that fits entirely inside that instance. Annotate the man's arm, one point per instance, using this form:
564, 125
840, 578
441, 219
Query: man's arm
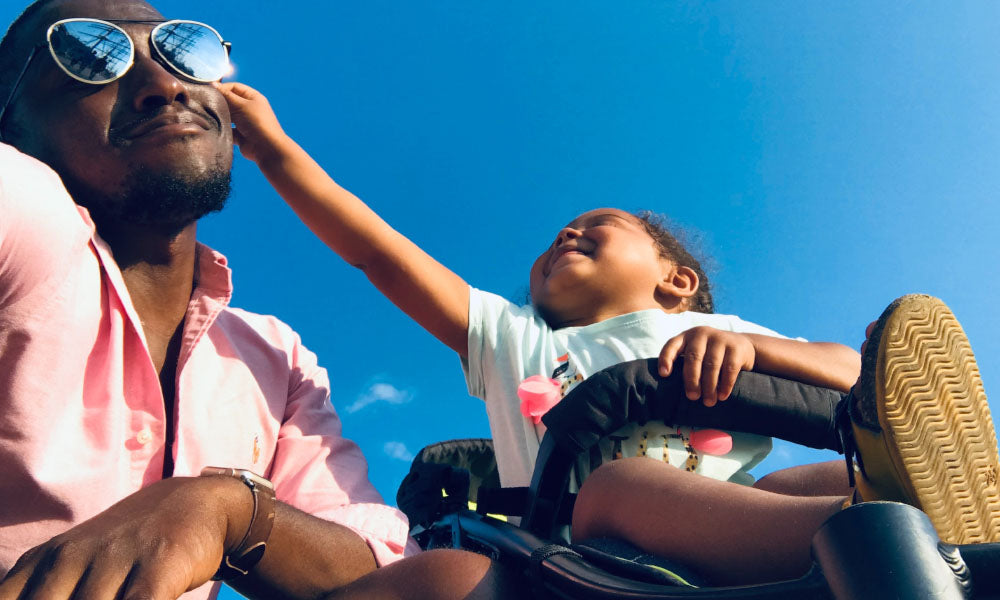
170, 537
305, 556
423, 288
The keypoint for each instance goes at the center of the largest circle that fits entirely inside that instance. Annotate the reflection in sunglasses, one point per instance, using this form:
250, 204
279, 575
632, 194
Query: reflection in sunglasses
191, 48
92, 51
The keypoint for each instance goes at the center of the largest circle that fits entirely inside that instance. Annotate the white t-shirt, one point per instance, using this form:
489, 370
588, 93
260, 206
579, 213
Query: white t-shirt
509, 343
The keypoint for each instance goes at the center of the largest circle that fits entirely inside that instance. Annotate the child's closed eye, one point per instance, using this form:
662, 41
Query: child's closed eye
602, 221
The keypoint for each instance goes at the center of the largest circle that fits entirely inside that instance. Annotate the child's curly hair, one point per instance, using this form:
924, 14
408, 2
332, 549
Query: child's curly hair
666, 237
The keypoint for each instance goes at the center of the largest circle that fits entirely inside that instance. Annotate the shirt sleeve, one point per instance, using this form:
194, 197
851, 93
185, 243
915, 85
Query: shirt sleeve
40, 226
493, 323
320, 472
740, 326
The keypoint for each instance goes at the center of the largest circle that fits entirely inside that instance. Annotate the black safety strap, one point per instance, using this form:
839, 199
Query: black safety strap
541, 554
512, 502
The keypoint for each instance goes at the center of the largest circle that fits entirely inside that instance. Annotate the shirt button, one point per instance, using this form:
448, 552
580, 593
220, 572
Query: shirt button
144, 437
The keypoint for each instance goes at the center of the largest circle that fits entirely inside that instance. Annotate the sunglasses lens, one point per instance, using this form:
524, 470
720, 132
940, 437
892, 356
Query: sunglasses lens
91, 51
193, 49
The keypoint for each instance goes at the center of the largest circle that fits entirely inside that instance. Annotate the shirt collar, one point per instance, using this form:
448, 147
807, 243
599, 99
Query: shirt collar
212, 274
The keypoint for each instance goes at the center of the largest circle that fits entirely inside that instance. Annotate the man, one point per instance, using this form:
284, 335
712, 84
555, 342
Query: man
124, 372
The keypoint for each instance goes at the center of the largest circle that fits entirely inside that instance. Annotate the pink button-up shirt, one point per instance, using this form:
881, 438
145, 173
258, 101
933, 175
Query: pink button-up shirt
82, 418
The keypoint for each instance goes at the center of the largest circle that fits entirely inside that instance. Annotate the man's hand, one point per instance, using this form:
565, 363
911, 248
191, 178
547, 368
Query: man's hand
258, 133
157, 543
712, 360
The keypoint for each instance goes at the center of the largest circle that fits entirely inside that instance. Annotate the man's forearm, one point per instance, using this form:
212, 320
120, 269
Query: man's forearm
306, 557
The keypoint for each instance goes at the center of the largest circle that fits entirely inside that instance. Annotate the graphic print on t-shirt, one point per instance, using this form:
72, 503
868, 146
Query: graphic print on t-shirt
562, 374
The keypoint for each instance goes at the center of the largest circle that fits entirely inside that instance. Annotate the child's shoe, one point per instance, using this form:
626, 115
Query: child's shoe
921, 425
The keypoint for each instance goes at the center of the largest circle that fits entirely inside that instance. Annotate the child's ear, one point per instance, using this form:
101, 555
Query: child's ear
679, 282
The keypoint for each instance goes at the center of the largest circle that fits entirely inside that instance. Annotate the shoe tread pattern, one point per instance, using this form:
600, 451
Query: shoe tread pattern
935, 410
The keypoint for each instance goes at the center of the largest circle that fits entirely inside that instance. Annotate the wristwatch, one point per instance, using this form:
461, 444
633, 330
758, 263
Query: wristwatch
251, 548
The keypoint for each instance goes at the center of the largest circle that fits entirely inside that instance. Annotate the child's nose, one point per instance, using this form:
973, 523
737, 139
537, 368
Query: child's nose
565, 234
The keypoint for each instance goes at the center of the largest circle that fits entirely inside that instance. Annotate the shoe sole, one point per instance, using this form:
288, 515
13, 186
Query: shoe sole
932, 409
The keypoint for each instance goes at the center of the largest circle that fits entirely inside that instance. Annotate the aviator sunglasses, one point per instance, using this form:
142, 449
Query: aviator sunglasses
98, 52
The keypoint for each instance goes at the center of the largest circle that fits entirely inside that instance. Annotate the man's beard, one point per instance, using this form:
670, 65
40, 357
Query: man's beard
164, 202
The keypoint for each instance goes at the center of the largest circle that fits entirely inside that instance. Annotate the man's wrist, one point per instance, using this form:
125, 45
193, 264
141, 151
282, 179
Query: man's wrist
235, 503
246, 537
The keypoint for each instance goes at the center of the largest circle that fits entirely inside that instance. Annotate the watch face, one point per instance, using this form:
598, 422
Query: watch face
248, 477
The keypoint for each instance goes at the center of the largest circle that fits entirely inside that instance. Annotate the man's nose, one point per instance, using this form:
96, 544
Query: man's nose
153, 84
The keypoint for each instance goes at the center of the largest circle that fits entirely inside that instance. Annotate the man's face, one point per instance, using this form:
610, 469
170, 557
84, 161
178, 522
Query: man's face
120, 143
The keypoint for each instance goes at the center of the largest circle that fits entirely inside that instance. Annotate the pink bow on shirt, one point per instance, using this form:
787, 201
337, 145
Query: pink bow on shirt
538, 394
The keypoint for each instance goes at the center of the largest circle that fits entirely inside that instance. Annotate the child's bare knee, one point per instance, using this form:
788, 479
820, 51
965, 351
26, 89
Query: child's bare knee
436, 575
470, 576
601, 493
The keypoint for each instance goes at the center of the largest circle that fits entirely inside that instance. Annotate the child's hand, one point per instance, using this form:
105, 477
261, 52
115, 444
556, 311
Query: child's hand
257, 133
712, 360
868, 334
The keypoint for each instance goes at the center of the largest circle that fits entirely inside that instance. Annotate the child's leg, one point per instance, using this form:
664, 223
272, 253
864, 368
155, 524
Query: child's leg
436, 575
921, 433
921, 423
728, 533
818, 479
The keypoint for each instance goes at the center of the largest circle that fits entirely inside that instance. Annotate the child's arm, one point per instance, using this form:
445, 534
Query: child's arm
423, 288
713, 358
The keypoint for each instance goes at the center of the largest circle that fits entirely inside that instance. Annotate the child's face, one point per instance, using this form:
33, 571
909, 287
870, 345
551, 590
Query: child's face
600, 265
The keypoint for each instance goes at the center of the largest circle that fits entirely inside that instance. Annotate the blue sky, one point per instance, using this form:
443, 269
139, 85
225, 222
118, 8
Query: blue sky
829, 156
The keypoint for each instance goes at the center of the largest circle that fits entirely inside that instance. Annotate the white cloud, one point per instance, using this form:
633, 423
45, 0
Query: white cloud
398, 451
380, 392
783, 453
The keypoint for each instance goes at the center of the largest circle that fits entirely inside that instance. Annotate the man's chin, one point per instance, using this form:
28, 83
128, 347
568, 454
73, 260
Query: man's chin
165, 201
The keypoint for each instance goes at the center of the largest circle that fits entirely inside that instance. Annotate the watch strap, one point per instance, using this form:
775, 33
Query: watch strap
251, 547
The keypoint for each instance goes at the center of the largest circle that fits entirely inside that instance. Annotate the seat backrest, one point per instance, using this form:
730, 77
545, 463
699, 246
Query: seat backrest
446, 476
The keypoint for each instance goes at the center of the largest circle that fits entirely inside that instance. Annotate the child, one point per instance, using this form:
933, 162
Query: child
611, 287
605, 291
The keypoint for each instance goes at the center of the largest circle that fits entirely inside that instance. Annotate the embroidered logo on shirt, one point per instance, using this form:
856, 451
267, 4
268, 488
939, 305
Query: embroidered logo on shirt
256, 449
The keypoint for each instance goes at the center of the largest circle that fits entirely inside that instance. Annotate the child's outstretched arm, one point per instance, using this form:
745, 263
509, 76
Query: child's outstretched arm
713, 358
423, 288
